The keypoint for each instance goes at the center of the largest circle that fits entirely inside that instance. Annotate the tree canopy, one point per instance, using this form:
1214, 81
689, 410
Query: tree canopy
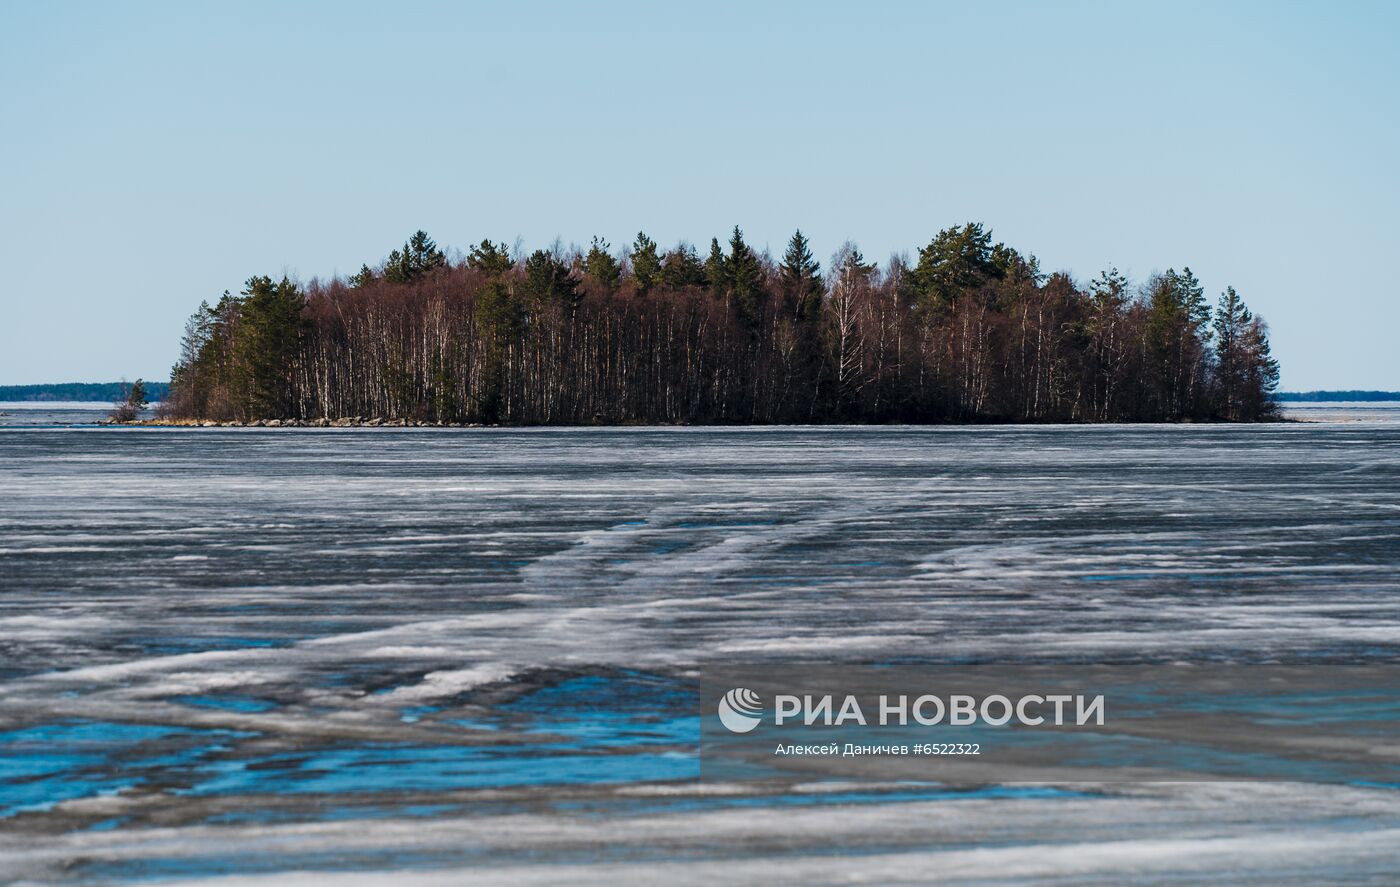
971, 331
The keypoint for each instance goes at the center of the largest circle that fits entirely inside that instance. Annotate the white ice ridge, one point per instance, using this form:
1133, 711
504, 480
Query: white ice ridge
1183, 833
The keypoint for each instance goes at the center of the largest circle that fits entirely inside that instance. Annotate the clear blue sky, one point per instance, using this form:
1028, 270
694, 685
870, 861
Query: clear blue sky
155, 154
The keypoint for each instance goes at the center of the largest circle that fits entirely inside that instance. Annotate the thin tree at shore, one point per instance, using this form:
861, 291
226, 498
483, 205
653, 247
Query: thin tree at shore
971, 331
128, 408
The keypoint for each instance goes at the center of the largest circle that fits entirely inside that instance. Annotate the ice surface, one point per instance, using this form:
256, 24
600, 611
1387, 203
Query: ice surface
471, 653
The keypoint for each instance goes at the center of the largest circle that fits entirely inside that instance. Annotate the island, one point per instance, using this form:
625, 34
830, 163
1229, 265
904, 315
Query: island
967, 331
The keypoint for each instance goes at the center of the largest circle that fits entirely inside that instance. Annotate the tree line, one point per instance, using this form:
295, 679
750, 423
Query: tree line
969, 330
78, 391
1337, 396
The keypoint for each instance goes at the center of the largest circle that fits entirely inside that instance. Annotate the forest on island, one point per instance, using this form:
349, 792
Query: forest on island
967, 331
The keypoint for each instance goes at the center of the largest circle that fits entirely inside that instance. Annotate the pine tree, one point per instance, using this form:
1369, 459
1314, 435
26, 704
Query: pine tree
129, 407
502, 320
682, 268
364, 277
957, 260
501, 313
549, 280
1108, 296
1192, 297
1177, 318
1246, 374
1231, 320
1262, 373
418, 258
646, 262
716, 269
599, 265
800, 278
266, 344
423, 254
491, 259
745, 279
396, 268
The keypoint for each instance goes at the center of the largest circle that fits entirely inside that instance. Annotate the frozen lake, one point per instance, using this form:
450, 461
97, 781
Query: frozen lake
471, 653
37, 413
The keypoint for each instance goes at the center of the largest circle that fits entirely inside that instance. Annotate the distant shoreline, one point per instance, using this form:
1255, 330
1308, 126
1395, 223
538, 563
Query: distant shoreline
78, 392
1336, 396
111, 391
381, 422
105, 392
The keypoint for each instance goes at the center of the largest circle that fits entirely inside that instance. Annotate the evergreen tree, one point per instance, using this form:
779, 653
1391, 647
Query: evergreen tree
185, 377
745, 279
549, 280
1246, 374
1177, 318
501, 313
423, 254
1262, 372
491, 259
599, 265
502, 319
364, 277
646, 262
1191, 296
682, 268
1164, 328
1231, 320
267, 342
396, 267
1106, 346
957, 260
800, 278
1109, 291
444, 402
716, 269
418, 258
136, 399
128, 408
1008, 264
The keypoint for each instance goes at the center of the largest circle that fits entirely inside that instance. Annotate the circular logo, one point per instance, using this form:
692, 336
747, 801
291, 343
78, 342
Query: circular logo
740, 710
